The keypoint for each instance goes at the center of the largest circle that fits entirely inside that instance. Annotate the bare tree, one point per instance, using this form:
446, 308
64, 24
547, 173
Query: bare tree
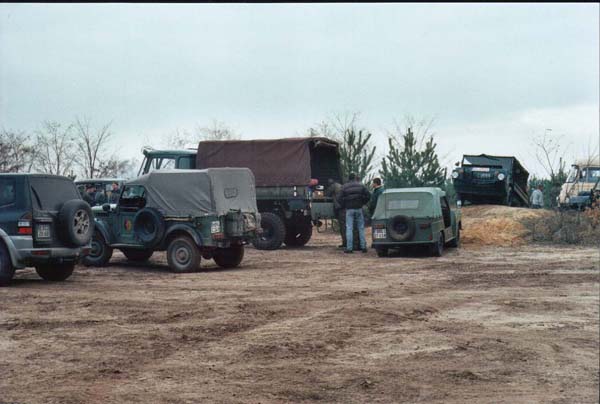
550, 153
179, 139
91, 146
54, 145
17, 153
217, 130
116, 168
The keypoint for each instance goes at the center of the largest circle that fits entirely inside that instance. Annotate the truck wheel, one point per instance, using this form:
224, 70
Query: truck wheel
273, 232
229, 257
135, 255
437, 249
297, 235
7, 271
455, 243
183, 255
76, 222
55, 272
100, 254
381, 251
149, 227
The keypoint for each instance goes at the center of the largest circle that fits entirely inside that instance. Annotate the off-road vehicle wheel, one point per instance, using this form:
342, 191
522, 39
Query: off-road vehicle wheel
229, 257
137, 255
100, 253
401, 228
149, 227
183, 255
298, 234
55, 272
437, 249
76, 222
7, 271
381, 251
455, 243
273, 232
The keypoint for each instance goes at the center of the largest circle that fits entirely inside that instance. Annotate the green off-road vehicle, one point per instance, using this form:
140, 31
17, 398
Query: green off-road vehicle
415, 216
189, 213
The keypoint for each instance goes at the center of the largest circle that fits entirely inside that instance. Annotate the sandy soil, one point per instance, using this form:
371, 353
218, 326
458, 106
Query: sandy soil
479, 325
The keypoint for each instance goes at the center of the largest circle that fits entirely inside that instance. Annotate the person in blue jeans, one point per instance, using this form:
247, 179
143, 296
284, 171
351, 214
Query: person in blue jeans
353, 197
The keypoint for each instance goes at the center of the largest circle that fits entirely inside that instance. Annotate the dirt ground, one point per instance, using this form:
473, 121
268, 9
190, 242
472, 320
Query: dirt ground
479, 325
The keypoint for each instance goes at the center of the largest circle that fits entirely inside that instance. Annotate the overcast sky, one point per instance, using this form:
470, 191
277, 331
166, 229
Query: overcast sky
492, 75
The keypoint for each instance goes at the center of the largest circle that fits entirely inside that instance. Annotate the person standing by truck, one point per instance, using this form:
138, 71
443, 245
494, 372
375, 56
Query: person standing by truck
377, 190
334, 192
537, 197
353, 197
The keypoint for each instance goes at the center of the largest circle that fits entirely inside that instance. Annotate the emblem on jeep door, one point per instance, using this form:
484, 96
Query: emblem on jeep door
127, 224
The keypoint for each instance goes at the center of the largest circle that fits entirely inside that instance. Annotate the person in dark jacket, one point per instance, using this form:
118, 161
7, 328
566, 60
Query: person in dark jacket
377, 190
334, 191
353, 197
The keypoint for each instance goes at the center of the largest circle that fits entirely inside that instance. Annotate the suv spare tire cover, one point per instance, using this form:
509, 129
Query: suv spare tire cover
401, 228
76, 223
149, 227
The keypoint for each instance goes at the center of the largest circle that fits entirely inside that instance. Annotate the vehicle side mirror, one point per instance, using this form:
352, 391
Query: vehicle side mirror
457, 163
106, 207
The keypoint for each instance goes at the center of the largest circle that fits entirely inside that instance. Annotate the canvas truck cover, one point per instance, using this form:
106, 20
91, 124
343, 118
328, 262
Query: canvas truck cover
411, 202
275, 162
184, 193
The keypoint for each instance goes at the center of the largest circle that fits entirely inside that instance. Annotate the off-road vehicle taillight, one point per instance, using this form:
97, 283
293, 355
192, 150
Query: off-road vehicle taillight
24, 224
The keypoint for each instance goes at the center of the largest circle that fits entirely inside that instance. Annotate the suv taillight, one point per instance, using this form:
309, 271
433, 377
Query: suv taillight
24, 224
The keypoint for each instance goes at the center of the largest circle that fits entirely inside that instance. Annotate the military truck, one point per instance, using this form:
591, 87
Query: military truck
415, 217
189, 213
491, 179
286, 171
581, 180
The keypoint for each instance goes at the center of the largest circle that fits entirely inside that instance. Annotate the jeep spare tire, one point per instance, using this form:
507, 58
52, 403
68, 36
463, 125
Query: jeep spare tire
149, 227
273, 232
76, 223
401, 228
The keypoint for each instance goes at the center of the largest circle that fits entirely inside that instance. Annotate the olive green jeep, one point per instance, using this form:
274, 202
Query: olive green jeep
189, 213
415, 216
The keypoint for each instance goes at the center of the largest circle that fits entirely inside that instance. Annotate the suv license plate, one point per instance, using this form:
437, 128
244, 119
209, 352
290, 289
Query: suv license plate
43, 231
379, 233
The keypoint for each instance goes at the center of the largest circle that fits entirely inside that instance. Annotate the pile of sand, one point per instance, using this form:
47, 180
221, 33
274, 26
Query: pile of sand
498, 225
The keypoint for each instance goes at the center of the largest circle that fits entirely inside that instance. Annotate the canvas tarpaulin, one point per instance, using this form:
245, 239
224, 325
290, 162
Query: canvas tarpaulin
186, 193
274, 162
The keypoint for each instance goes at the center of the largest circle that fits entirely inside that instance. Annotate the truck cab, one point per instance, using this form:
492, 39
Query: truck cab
582, 178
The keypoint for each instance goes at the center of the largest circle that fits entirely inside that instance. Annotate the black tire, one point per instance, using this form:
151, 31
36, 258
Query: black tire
55, 272
437, 249
273, 232
455, 243
381, 251
136, 255
401, 228
75, 223
298, 234
229, 257
149, 227
7, 271
100, 254
183, 255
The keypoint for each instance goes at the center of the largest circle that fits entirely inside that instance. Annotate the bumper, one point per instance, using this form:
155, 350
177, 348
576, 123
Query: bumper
392, 244
23, 253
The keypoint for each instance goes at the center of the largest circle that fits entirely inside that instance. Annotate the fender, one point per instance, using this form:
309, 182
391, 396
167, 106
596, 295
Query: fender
12, 250
102, 228
182, 227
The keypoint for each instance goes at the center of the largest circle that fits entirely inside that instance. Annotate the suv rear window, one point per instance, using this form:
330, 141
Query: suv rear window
50, 193
7, 192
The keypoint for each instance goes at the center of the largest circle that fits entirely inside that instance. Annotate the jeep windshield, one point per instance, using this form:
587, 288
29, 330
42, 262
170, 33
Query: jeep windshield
413, 204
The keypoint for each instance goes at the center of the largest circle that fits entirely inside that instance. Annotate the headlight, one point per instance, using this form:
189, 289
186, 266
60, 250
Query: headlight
215, 227
501, 177
454, 174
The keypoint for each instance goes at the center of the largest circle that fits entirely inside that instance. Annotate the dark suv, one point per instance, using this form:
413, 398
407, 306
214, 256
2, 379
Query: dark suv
44, 223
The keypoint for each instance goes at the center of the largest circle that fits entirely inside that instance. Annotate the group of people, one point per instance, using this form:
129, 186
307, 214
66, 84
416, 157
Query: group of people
349, 200
95, 197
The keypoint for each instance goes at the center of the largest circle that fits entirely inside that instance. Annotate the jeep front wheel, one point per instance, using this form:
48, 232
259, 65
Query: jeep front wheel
273, 232
100, 253
55, 272
297, 235
137, 255
183, 255
229, 257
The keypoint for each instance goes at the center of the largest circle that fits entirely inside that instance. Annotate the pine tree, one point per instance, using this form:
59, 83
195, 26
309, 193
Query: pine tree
356, 154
